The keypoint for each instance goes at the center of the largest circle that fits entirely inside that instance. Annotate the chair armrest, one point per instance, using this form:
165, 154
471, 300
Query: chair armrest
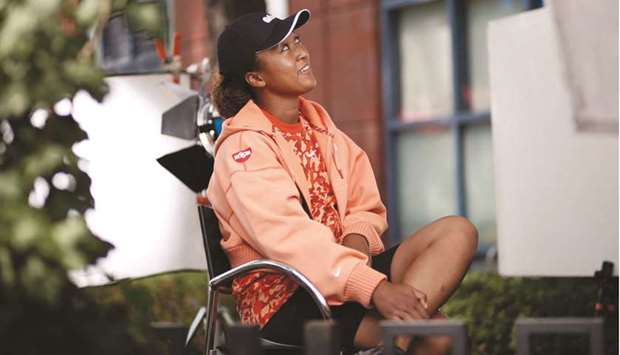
303, 281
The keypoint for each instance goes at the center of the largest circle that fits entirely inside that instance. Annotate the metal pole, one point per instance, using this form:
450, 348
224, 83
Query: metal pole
210, 320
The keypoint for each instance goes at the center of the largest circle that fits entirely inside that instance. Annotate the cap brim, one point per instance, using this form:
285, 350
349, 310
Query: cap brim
286, 27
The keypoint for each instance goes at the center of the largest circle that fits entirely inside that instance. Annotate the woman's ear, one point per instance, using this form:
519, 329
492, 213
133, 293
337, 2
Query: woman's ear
254, 79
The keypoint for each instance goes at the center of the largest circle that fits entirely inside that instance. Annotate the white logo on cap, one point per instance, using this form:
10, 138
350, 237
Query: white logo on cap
268, 18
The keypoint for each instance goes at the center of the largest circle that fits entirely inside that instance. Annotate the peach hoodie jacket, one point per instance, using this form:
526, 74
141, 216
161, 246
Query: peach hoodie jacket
256, 191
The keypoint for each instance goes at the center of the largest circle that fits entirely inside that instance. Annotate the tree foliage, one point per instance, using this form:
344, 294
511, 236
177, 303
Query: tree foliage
490, 304
46, 56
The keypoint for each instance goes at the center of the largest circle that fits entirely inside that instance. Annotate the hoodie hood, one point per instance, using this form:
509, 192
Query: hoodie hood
252, 118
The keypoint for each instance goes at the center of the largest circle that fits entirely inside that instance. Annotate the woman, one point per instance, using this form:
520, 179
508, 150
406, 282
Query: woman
289, 186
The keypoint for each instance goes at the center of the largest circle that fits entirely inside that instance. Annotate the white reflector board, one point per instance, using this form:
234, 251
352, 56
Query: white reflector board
587, 35
556, 187
141, 208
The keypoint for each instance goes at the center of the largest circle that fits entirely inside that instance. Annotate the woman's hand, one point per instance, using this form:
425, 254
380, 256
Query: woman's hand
400, 302
359, 243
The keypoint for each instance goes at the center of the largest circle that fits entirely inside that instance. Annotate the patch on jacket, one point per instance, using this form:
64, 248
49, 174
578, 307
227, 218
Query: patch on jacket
242, 155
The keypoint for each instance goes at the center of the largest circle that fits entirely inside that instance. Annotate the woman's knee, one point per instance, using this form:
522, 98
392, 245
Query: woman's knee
463, 231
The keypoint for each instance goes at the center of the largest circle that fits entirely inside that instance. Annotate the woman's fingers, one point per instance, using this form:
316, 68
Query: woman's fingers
414, 313
421, 296
413, 308
418, 305
410, 312
422, 311
400, 301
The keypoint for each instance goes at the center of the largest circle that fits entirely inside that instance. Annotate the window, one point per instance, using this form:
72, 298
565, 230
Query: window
479, 13
436, 106
425, 179
424, 57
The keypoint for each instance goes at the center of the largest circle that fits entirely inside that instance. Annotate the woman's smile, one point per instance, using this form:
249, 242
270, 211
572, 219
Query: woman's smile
306, 68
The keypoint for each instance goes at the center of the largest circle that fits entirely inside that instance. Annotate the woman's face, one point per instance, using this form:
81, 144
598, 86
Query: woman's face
285, 69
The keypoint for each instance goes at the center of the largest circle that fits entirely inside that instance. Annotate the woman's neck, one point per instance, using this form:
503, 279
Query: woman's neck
285, 109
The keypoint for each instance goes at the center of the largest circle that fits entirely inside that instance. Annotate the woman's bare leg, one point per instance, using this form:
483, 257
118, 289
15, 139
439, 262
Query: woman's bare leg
436, 258
433, 260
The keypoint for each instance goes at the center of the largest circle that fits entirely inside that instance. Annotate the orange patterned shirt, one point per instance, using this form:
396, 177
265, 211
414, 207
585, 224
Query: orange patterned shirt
259, 295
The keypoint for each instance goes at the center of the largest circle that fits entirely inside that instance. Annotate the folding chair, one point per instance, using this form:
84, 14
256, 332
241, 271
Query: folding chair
221, 276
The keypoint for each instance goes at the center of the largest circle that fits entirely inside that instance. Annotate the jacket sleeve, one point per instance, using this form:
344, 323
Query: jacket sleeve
365, 213
266, 202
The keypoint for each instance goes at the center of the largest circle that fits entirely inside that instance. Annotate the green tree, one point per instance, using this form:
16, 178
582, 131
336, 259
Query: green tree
46, 56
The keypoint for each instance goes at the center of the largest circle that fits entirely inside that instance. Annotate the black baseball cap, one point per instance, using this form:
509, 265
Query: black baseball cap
245, 36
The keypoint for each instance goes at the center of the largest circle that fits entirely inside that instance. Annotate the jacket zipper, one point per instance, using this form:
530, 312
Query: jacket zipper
334, 148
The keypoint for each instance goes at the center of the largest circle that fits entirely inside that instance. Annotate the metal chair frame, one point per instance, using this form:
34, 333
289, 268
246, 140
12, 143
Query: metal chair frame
221, 277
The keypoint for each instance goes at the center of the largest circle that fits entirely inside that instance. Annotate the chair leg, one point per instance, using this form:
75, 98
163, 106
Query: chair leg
210, 319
